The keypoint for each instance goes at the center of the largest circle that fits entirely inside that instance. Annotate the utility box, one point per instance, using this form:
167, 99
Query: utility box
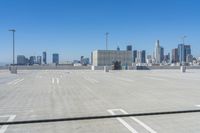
13, 69
93, 68
183, 69
105, 68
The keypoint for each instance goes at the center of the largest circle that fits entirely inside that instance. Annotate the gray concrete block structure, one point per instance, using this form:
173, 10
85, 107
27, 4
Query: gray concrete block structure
106, 57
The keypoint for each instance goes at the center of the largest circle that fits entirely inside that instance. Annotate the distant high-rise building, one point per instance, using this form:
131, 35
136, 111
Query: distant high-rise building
167, 58
32, 60
21, 60
27, 61
187, 51
134, 55
85, 61
118, 49
149, 59
39, 60
181, 53
81, 59
175, 58
161, 54
158, 52
189, 58
129, 47
139, 57
143, 56
44, 57
55, 58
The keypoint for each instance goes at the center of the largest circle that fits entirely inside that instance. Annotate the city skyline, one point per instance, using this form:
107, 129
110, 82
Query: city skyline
71, 29
158, 54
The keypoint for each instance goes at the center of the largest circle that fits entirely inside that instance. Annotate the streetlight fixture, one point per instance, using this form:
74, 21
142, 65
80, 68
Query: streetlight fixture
13, 31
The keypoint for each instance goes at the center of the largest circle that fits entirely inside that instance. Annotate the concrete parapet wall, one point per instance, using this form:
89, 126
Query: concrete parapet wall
89, 67
172, 67
163, 67
53, 67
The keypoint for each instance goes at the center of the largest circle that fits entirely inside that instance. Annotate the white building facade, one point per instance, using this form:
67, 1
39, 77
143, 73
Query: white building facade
106, 57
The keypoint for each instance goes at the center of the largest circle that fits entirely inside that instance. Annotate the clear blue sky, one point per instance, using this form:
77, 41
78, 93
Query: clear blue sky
77, 27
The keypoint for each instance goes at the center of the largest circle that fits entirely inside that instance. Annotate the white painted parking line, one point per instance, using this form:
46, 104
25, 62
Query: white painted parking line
52, 80
149, 129
18, 81
140, 122
125, 79
153, 78
9, 83
14, 82
10, 118
91, 80
189, 79
131, 129
57, 79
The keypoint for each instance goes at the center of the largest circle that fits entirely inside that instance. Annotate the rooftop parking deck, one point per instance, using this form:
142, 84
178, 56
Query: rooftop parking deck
51, 94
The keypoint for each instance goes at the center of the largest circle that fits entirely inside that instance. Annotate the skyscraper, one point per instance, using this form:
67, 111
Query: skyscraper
167, 58
175, 58
81, 59
187, 51
161, 54
143, 56
55, 58
44, 57
149, 59
39, 60
181, 53
32, 60
139, 57
158, 52
134, 55
189, 58
21, 60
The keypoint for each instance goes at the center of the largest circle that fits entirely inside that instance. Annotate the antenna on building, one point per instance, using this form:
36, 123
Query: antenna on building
107, 40
183, 39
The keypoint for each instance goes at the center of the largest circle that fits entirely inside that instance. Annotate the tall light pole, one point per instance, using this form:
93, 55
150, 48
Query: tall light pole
13, 31
105, 63
107, 40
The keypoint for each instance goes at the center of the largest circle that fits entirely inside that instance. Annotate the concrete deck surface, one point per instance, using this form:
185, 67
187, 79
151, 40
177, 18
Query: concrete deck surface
44, 94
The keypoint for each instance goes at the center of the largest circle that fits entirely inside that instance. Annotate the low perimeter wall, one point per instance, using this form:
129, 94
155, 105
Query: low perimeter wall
96, 67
